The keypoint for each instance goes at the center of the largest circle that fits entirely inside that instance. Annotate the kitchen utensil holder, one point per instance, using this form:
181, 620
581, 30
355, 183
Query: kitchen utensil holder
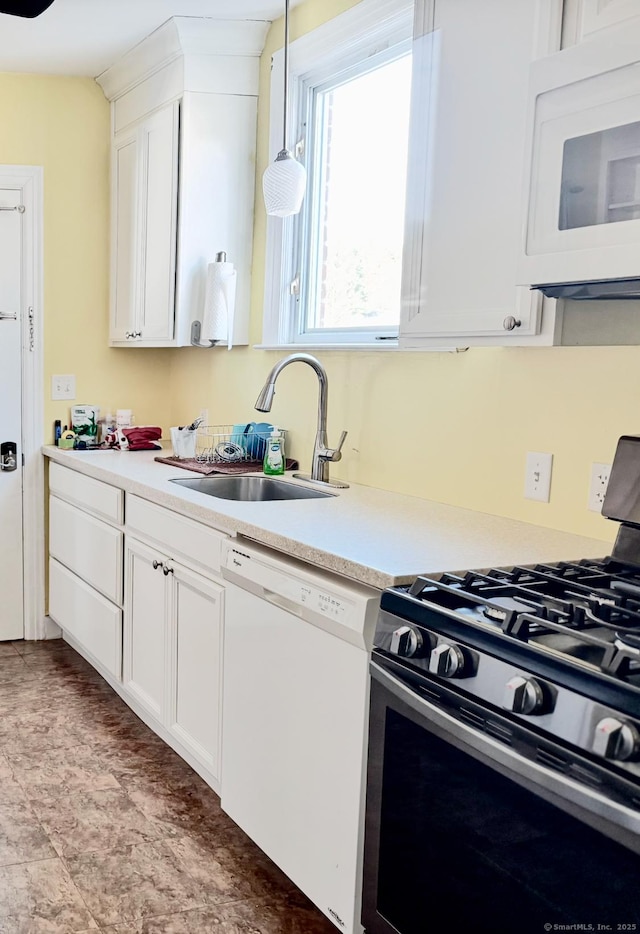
231, 444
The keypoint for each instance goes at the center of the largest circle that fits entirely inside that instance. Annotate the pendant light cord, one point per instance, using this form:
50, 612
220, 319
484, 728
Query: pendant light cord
286, 74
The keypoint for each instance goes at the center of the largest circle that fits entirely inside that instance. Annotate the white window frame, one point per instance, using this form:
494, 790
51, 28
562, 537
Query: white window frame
367, 29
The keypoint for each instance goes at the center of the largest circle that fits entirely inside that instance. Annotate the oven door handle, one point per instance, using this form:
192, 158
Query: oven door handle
585, 803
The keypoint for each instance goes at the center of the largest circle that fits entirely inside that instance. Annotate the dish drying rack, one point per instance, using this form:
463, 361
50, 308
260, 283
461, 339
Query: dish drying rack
231, 444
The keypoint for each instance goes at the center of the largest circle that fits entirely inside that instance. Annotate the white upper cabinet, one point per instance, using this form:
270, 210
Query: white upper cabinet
184, 118
468, 137
582, 222
144, 205
591, 19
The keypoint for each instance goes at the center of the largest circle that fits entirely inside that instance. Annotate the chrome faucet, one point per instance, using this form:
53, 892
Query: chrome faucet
323, 455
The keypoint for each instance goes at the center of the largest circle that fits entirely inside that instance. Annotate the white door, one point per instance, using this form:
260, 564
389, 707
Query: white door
123, 245
159, 210
145, 626
11, 559
196, 665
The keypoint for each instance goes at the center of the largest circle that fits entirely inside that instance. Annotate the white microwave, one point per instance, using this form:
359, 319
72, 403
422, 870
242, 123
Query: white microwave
582, 202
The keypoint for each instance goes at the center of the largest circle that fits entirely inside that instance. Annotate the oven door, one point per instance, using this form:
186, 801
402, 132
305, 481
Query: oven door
461, 825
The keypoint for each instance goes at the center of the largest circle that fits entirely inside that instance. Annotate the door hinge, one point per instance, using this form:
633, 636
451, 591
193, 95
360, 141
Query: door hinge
23, 460
32, 330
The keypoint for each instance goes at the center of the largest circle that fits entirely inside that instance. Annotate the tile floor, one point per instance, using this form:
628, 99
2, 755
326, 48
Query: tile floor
104, 828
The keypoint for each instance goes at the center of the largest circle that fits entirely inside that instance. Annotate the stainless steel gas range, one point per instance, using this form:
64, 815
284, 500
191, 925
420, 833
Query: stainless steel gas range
503, 786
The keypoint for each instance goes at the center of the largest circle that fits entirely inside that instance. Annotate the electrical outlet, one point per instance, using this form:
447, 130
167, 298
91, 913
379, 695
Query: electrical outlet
598, 486
63, 387
537, 483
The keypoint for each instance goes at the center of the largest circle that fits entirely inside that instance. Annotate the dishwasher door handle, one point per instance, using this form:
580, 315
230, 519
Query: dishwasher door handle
284, 603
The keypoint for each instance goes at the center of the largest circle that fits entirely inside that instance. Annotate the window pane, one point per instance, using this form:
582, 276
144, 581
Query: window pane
362, 130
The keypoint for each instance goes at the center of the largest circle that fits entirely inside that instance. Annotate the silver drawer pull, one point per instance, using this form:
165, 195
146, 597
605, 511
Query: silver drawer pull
20, 208
8, 315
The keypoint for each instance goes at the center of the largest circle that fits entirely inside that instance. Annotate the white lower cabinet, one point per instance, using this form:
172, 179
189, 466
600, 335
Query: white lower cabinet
85, 565
86, 616
173, 649
145, 627
195, 655
144, 605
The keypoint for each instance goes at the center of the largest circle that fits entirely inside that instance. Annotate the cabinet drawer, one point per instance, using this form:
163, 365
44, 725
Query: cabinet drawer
101, 499
88, 547
84, 614
179, 537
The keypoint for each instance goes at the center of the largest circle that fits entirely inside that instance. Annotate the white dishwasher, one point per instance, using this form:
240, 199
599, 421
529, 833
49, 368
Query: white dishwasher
295, 711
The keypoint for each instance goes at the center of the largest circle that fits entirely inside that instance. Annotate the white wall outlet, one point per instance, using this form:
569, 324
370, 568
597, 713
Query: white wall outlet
63, 387
537, 483
598, 485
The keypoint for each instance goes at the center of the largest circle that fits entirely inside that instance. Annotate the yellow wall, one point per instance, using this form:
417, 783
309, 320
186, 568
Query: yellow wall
63, 125
449, 427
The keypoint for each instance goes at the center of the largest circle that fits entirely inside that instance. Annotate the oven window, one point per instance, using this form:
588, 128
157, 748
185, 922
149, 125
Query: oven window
460, 841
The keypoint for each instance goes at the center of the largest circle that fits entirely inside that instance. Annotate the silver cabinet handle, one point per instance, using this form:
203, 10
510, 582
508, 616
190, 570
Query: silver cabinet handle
166, 569
8, 315
156, 565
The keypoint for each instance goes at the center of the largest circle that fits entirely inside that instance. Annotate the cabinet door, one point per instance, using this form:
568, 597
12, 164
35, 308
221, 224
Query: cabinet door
586, 19
158, 213
145, 627
196, 664
470, 81
124, 236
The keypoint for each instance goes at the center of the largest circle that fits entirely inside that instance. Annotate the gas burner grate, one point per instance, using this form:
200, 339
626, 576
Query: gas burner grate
592, 603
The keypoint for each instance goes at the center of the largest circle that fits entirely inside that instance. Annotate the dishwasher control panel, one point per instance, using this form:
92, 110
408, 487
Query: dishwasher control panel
323, 599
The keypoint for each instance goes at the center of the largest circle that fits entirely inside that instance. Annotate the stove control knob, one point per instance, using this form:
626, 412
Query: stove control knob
406, 642
615, 739
523, 695
447, 660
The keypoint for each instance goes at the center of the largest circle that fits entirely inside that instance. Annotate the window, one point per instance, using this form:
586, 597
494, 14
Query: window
334, 270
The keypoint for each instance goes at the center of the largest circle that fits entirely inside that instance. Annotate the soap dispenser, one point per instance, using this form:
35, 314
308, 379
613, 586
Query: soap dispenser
273, 465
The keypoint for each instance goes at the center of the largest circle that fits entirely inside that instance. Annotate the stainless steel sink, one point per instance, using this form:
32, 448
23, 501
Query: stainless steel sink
251, 489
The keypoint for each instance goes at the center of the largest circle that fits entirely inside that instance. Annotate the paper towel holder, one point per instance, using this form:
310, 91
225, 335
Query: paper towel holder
196, 326
196, 330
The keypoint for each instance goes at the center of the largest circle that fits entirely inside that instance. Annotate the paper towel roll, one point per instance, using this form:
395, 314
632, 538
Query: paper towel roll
219, 304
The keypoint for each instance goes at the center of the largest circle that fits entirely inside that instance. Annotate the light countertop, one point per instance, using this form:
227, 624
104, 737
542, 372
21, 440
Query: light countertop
373, 536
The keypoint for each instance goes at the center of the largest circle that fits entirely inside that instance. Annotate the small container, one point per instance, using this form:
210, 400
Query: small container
183, 441
124, 418
57, 431
273, 465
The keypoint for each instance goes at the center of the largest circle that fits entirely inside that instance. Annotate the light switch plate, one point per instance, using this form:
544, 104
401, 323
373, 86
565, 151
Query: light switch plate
537, 484
63, 387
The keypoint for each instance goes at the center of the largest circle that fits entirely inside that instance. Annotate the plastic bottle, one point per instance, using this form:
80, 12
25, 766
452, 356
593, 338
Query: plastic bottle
273, 464
57, 431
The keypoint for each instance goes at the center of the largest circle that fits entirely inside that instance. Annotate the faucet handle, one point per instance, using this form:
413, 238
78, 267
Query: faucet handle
334, 454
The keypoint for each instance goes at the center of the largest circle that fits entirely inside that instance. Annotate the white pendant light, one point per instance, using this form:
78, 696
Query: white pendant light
284, 181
